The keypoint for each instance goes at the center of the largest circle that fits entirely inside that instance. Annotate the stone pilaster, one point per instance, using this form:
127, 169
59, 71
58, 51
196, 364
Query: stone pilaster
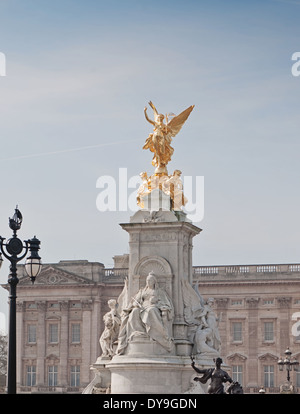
284, 321
252, 303
20, 307
64, 343
87, 306
41, 343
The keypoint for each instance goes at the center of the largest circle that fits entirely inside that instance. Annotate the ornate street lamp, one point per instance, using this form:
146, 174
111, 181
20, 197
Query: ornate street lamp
14, 250
288, 362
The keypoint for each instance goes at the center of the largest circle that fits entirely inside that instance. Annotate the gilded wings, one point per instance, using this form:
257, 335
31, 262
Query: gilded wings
176, 123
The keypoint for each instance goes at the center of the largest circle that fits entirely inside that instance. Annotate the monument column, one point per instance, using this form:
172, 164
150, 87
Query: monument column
159, 310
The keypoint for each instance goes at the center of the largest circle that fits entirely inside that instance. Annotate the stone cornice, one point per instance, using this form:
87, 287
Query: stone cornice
52, 276
239, 282
236, 357
268, 357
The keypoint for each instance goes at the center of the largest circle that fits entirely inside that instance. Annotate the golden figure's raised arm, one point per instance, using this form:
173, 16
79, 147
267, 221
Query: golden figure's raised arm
154, 109
146, 116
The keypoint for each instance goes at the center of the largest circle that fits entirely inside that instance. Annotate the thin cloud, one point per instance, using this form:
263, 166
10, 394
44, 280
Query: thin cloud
297, 3
42, 154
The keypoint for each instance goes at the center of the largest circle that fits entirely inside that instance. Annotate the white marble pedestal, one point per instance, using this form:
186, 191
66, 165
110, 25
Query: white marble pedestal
154, 375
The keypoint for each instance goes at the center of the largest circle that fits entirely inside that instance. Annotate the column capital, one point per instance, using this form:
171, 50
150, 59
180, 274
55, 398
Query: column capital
252, 302
221, 303
64, 304
284, 301
41, 305
87, 304
20, 306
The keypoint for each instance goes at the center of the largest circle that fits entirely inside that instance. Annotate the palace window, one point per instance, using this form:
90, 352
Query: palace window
269, 375
236, 302
52, 375
237, 331
53, 333
268, 302
31, 375
75, 333
237, 373
54, 305
298, 378
31, 334
268, 331
75, 376
76, 305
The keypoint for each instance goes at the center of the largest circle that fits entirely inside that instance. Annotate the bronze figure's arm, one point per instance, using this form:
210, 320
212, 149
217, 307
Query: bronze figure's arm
199, 371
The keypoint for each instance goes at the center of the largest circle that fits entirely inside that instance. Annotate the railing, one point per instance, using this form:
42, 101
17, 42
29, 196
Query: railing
115, 272
49, 389
255, 390
221, 270
244, 269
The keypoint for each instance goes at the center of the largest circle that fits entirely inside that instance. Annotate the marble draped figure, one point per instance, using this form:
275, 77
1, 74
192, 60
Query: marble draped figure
110, 334
148, 314
202, 322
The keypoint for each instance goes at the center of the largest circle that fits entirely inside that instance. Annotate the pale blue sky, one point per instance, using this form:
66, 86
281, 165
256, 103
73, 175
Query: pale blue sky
79, 74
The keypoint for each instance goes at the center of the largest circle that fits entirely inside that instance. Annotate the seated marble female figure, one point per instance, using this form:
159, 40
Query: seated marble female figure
148, 314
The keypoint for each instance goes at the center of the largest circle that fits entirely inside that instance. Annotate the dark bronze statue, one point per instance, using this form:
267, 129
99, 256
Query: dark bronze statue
217, 376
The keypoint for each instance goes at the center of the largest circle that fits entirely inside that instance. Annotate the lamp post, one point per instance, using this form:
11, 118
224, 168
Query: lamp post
14, 250
288, 362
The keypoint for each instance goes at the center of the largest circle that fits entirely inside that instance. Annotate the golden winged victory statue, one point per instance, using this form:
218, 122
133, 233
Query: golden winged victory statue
159, 142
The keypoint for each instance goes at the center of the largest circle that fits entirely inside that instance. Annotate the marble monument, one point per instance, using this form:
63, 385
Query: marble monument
160, 320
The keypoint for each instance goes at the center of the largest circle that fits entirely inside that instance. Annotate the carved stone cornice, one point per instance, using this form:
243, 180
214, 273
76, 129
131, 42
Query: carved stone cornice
64, 304
252, 302
222, 303
284, 301
52, 358
29, 361
237, 357
54, 276
87, 304
268, 357
41, 305
20, 306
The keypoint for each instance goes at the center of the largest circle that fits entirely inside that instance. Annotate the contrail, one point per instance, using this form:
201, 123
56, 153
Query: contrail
41, 154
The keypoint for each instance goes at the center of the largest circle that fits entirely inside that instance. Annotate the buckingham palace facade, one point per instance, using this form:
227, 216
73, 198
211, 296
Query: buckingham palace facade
60, 319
